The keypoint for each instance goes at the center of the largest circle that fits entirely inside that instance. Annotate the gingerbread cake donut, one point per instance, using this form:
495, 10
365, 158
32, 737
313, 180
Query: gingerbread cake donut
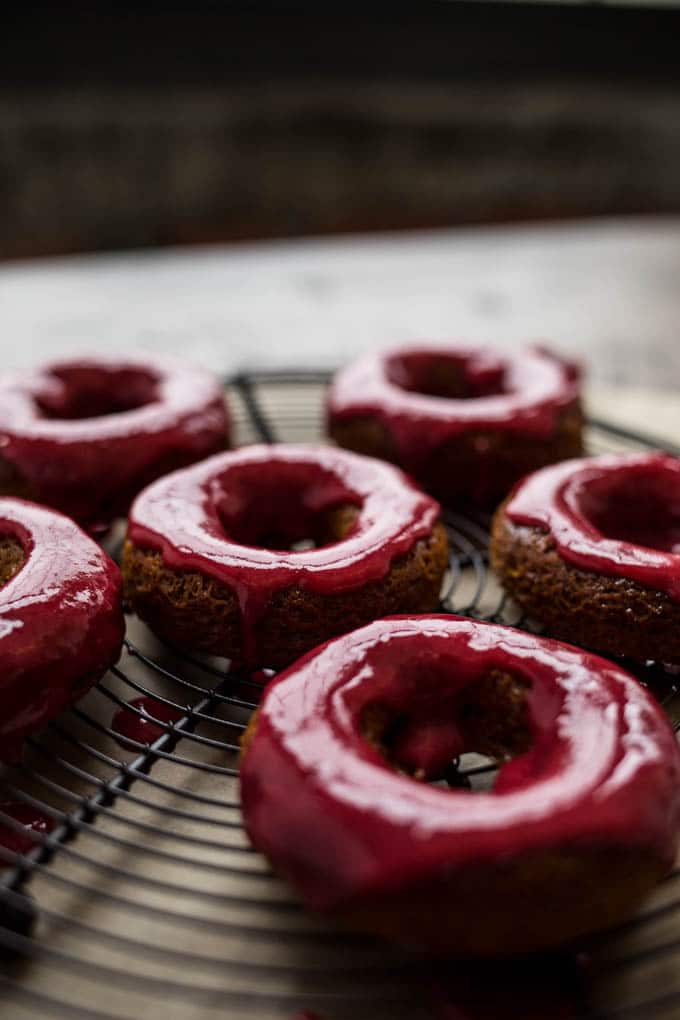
583, 818
264, 552
61, 618
591, 549
84, 436
465, 422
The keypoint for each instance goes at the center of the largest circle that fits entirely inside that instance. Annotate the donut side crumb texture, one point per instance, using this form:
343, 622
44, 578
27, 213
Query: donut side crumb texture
611, 614
452, 470
12, 558
193, 608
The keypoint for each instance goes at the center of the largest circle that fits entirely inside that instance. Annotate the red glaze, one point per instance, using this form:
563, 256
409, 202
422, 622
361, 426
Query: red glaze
522, 392
142, 720
618, 516
87, 435
211, 517
603, 768
30, 818
61, 620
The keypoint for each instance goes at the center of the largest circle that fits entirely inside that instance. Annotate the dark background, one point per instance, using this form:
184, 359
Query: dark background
126, 126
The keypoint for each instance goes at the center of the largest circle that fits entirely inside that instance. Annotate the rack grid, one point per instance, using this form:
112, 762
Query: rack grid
145, 898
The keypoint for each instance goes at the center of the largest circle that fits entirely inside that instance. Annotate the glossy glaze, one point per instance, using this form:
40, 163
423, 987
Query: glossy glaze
159, 416
142, 721
602, 512
523, 392
603, 766
190, 516
61, 621
30, 818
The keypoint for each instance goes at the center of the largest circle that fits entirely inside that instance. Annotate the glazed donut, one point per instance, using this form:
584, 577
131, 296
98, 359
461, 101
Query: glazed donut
591, 549
85, 436
61, 618
465, 422
208, 561
579, 824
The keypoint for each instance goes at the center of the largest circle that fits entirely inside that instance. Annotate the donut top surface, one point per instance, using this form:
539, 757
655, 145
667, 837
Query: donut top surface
235, 515
107, 420
614, 515
60, 615
426, 395
601, 767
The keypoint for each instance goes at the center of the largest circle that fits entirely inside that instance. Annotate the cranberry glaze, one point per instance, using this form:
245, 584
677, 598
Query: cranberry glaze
428, 395
84, 436
616, 515
601, 771
61, 620
232, 517
17, 838
143, 720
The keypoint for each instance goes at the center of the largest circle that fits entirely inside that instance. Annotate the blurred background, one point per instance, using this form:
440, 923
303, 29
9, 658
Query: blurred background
135, 125
519, 162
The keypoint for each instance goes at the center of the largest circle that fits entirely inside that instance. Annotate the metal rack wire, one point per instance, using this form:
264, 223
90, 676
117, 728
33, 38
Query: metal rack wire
146, 899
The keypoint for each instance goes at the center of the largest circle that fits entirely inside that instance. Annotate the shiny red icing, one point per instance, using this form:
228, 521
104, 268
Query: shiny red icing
143, 719
615, 515
523, 392
603, 766
86, 435
61, 621
20, 842
232, 517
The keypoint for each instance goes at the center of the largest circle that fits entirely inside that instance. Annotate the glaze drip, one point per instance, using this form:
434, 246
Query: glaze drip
186, 516
32, 820
143, 720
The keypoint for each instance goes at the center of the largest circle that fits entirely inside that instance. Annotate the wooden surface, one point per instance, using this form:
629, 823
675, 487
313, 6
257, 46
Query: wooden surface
606, 292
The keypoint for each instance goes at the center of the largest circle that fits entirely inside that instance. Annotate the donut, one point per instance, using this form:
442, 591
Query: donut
61, 618
85, 436
210, 558
583, 818
465, 422
591, 549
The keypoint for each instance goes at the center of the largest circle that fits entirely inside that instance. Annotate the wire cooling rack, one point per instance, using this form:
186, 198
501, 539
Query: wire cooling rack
145, 899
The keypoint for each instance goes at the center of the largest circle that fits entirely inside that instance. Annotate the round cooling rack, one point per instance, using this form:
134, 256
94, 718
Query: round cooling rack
145, 899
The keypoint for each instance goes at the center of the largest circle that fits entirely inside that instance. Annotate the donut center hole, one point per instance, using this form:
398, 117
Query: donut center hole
426, 740
288, 507
12, 558
642, 509
451, 376
91, 391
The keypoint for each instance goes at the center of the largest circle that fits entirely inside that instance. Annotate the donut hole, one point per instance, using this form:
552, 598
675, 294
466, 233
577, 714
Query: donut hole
425, 739
91, 391
640, 507
452, 376
12, 558
285, 507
